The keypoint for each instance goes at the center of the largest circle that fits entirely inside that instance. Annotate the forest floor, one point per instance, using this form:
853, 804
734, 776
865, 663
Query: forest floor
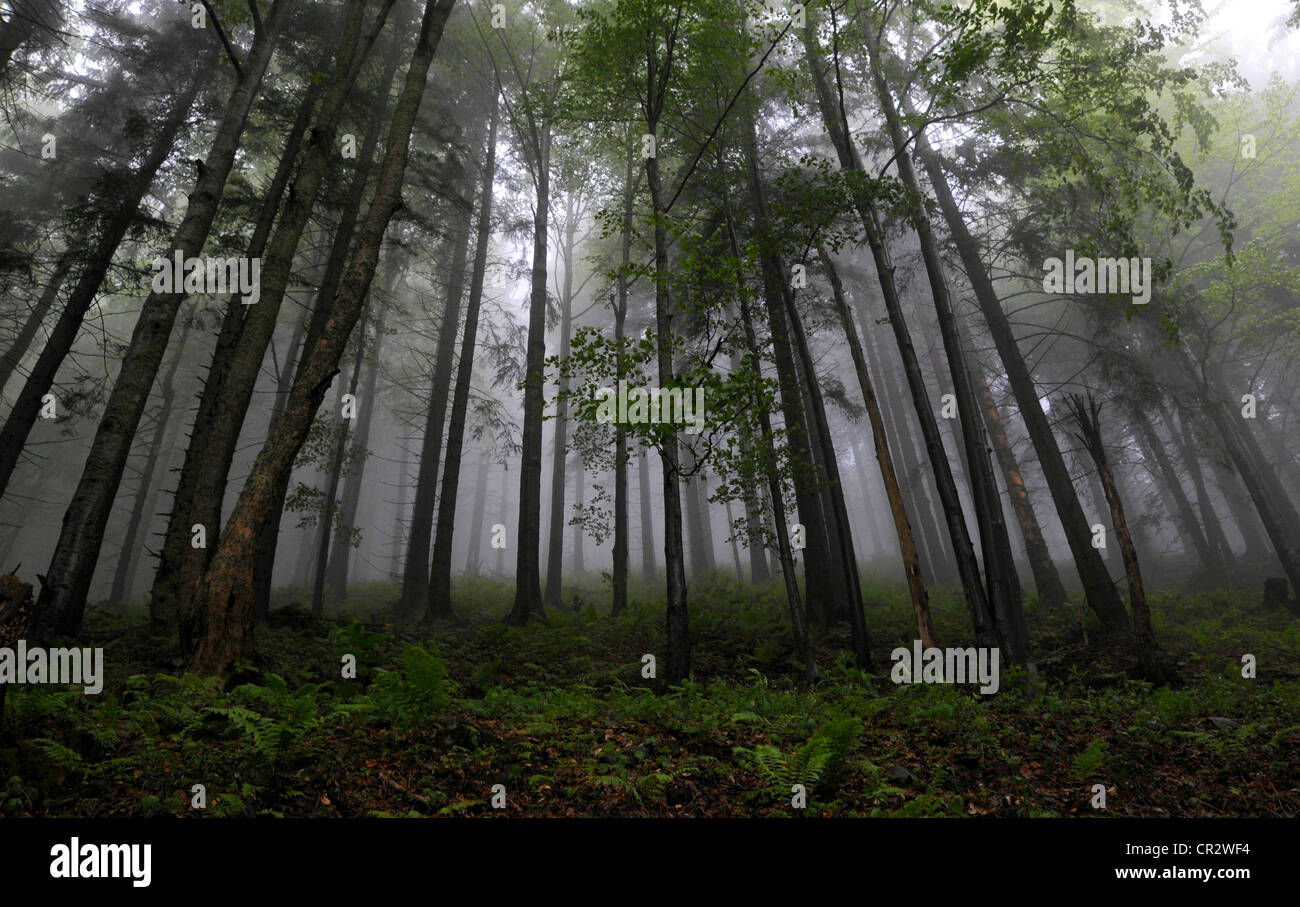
562, 717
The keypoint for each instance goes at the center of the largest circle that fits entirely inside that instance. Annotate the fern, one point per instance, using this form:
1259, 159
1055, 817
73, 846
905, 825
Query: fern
418, 692
819, 761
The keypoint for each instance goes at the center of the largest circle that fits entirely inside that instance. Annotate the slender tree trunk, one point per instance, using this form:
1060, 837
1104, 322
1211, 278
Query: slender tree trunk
440, 575
649, 567
63, 335
163, 605
415, 578
906, 542
337, 575
36, 317
63, 595
528, 581
1003, 587
677, 620
1214, 533
559, 453
798, 624
1087, 416
129, 556
1051, 591
1098, 588
473, 561
967, 567
326, 525
823, 574
225, 599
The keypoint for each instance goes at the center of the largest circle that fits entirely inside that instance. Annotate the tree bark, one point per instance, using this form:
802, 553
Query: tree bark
225, 598
528, 581
439, 606
63, 335
906, 542
1098, 587
559, 453
63, 595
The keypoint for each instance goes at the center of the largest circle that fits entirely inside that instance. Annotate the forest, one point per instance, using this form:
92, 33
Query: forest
649, 408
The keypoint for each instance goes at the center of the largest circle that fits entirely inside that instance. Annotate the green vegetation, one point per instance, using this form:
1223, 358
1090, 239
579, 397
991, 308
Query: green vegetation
562, 716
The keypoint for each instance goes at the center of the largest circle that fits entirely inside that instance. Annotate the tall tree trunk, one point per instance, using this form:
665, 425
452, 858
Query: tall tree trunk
1214, 533
337, 576
36, 317
528, 580
1051, 591
225, 599
63, 335
1087, 415
649, 567
63, 595
677, 620
559, 452
1003, 586
903, 527
823, 574
579, 480
473, 560
163, 606
415, 577
1101, 594
967, 567
258, 328
798, 625
332, 488
439, 606
131, 539
621, 454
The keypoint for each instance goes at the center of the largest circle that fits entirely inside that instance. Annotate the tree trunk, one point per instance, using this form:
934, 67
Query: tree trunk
1003, 586
677, 620
63, 596
649, 567
332, 488
1087, 416
1098, 588
337, 576
61, 338
798, 625
967, 566
439, 606
906, 542
415, 577
473, 560
225, 599
1051, 591
128, 556
163, 606
528, 581
559, 452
